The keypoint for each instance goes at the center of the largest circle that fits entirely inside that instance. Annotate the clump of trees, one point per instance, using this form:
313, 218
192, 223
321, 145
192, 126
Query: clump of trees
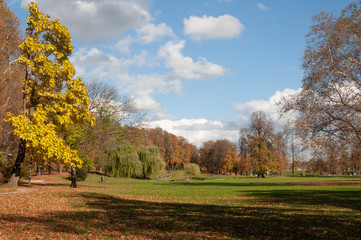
175, 150
55, 118
218, 157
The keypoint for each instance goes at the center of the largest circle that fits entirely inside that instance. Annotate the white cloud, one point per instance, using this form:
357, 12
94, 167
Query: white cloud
93, 20
205, 27
143, 88
142, 59
94, 57
145, 85
124, 44
268, 106
93, 63
198, 131
87, 61
184, 67
262, 7
151, 32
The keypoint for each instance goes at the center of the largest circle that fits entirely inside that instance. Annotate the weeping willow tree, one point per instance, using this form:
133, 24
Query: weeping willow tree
126, 161
152, 162
122, 162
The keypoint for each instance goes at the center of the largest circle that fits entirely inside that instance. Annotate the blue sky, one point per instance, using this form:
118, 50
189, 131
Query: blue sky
199, 68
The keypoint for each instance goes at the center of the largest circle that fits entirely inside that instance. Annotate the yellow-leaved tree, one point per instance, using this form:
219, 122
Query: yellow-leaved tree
53, 99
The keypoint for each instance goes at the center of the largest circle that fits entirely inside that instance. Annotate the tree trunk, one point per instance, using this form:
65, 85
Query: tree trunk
73, 177
60, 168
15, 173
30, 166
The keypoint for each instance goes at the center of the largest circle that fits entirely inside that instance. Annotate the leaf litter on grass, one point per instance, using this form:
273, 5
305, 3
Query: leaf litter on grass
236, 209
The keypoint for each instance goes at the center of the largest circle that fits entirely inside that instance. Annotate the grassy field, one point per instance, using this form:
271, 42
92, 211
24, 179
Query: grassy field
215, 207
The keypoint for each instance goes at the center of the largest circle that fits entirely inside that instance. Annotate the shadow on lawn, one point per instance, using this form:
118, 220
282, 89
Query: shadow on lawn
111, 217
262, 183
322, 198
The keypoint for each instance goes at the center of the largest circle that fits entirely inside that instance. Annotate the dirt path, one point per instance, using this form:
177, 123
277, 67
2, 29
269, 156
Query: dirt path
24, 190
20, 190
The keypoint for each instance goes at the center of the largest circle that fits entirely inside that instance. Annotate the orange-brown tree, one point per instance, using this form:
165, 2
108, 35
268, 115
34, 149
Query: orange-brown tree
10, 76
261, 149
175, 150
219, 157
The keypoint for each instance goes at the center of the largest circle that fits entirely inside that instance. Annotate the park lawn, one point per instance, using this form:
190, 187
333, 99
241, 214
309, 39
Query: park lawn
208, 207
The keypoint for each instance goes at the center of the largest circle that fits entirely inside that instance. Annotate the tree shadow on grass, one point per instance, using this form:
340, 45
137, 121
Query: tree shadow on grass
260, 184
347, 199
111, 217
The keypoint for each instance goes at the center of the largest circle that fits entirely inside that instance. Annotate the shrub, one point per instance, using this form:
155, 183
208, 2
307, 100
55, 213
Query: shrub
192, 169
81, 173
5, 167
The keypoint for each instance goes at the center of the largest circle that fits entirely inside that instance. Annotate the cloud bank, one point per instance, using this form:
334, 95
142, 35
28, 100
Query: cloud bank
93, 20
198, 131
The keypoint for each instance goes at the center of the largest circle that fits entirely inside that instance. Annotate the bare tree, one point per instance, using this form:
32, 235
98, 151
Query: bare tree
295, 144
106, 102
330, 101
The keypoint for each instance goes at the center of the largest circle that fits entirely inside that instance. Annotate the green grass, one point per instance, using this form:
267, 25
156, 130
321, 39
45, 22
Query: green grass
233, 207
207, 207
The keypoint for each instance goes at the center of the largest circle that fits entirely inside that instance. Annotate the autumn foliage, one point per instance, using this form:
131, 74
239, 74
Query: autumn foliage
176, 151
53, 99
55, 118
262, 151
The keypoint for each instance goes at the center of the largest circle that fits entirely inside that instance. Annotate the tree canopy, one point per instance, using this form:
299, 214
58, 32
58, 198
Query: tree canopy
53, 98
329, 102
